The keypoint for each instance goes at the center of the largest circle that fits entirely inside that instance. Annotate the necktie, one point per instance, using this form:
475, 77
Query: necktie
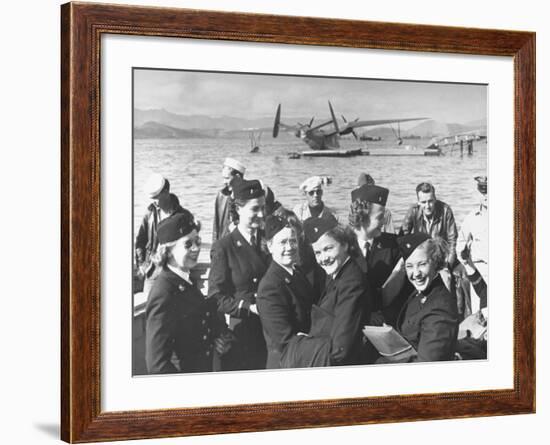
254, 243
367, 250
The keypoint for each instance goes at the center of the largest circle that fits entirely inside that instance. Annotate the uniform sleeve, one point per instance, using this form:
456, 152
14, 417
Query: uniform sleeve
220, 285
275, 315
352, 308
452, 234
159, 335
141, 240
438, 334
215, 227
480, 286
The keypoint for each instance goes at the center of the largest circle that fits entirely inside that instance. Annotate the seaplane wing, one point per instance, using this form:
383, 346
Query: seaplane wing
349, 126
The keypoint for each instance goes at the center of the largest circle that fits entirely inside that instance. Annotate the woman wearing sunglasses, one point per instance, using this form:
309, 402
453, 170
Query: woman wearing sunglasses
182, 328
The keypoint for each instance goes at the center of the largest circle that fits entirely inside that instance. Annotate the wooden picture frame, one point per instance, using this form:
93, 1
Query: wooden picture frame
82, 26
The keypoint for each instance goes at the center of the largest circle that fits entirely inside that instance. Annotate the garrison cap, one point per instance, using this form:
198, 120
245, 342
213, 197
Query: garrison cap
174, 227
481, 184
408, 243
370, 193
243, 189
235, 165
155, 184
273, 225
315, 228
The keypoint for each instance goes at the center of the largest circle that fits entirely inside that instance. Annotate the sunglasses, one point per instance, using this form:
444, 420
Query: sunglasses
189, 243
315, 192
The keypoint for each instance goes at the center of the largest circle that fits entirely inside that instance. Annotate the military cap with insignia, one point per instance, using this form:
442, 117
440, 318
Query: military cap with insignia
243, 189
273, 225
481, 184
175, 227
408, 243
370, 193
315, 228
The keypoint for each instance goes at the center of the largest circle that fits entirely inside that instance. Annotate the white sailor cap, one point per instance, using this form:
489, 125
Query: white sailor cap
235, 165
154, 185
311, 183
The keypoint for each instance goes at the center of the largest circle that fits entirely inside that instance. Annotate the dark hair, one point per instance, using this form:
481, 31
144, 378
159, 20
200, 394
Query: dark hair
425, 187
233, 204
359, 212
342, 234
166, 187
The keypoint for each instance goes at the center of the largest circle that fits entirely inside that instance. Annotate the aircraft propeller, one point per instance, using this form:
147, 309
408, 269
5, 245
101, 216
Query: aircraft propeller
277, 122
334, 121
349, 130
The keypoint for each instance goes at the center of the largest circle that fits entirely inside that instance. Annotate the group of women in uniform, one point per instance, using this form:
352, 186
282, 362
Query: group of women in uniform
282, 293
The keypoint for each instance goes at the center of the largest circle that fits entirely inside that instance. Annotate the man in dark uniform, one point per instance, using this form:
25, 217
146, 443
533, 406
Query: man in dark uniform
377, 252
285, 295
222, 220
238, 264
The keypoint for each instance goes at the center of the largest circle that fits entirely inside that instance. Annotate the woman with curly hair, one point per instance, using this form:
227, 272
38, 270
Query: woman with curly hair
377, 252
429, 319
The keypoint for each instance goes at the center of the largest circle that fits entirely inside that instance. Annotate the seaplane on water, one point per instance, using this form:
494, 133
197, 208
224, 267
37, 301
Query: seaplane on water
324, 140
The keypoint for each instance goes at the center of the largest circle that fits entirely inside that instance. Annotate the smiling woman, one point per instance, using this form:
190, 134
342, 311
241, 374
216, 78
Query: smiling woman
179, 321
336, 320
429, 319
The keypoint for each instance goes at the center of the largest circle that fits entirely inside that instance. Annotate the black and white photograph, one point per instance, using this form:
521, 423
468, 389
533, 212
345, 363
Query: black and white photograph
284, 221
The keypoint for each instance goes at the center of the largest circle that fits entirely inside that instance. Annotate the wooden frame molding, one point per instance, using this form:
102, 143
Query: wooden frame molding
81, 28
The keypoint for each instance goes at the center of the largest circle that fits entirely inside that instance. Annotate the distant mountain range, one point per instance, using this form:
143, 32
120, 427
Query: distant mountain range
162, 124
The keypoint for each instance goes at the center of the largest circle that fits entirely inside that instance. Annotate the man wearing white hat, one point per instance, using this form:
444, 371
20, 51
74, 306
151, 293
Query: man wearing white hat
162, 206
313, 207
222, 221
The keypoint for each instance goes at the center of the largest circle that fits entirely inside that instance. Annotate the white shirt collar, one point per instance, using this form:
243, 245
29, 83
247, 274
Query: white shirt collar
247, 236
290, 270
180, 273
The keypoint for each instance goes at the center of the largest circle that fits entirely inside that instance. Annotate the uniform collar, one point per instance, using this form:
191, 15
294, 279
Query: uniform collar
248, 236
180, 273
335, 274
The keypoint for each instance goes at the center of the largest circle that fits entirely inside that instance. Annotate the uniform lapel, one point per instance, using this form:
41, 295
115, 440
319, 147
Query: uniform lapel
254, 258
361, 260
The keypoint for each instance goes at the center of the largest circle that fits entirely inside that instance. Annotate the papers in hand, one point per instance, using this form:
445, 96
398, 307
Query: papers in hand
387, 340
474, 326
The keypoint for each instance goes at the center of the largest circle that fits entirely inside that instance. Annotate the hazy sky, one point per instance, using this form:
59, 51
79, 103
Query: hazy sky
257, 95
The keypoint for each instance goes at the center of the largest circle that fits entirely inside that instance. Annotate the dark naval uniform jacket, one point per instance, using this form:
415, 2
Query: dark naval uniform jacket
235, 273
429, 322
222, 218
335, 336
181, 325
284, 304
379, 264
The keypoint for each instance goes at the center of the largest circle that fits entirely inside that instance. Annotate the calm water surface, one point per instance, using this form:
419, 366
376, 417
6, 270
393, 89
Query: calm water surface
193, 167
